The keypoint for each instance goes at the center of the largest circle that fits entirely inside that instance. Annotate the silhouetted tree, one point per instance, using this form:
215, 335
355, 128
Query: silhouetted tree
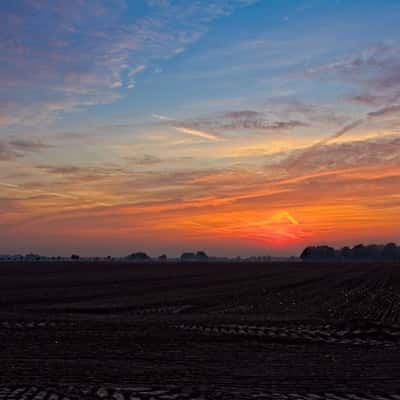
32, 257
318, 253
201, 255
359, 252
187, 256
307, 253
372, 252
345, 252
140, 256
390, 252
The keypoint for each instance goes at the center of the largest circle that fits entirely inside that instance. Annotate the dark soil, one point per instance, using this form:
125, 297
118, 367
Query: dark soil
247, 328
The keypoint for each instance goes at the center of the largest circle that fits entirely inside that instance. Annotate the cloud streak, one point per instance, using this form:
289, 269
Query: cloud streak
16, 148
393, 110
197, 133
77, 59
374, 71
245, 120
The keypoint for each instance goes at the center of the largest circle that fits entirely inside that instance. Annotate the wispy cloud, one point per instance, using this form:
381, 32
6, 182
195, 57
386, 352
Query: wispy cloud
88, 57
16, 148
149, 160
163, 117
187, 128
393, 110
25, 145
374, 72
198, 133
6, 152
247, 120
216, 126
340, 132
362, 153
373, 115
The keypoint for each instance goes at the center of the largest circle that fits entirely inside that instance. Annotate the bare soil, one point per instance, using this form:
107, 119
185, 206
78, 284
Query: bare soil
201, 330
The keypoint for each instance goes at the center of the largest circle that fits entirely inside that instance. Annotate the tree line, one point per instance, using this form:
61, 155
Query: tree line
371, 252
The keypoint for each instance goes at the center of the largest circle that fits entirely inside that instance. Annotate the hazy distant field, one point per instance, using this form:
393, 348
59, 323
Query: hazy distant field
243, 327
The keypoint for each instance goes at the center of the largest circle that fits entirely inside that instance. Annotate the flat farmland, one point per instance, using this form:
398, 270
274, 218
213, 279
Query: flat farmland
198, 330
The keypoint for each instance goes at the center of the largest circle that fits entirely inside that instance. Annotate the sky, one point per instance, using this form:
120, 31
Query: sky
238, 127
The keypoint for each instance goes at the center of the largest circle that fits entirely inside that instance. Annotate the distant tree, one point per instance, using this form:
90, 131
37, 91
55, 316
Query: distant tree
327, 252
318, 253
188, 256
373, 251
307, 253
139, 256
390, 252
75, 257
163, 257
345, 252
201, 255
359, 252
32, 257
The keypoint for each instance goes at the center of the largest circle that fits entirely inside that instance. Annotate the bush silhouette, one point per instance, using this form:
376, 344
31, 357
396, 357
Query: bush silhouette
371, 252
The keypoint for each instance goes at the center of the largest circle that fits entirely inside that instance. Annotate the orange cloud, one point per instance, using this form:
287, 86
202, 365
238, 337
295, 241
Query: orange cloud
261, 210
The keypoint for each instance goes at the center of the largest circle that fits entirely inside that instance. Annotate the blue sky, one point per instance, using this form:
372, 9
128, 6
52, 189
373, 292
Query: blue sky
218, 107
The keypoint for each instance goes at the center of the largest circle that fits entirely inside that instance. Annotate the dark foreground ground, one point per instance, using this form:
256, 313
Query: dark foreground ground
199, 331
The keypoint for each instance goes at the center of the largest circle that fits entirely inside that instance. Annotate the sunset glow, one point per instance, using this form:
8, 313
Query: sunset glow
233, 126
